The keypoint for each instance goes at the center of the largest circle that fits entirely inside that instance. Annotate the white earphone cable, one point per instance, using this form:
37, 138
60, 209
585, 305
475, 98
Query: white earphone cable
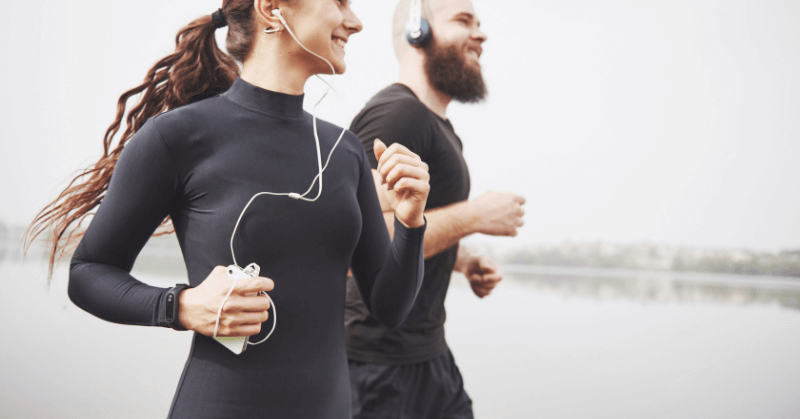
292, 195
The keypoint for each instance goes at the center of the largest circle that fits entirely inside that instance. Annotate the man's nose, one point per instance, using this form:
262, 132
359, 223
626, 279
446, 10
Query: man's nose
479, 36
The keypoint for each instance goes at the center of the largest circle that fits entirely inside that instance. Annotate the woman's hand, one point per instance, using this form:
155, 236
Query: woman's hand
405, 182
242, 314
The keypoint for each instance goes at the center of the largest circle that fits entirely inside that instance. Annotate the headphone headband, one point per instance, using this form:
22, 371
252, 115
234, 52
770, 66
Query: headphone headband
414, 17
418, 31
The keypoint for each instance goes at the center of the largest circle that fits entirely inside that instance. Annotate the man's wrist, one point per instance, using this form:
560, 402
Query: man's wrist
466, 218
462, 259
473, 265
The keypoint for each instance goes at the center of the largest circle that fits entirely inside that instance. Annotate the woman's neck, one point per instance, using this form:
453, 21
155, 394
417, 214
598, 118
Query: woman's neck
275, 70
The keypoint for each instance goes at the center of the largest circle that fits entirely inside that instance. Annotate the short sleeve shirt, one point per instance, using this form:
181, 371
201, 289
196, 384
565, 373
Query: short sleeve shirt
395, 115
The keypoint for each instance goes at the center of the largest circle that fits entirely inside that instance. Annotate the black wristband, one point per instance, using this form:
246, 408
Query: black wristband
172, 307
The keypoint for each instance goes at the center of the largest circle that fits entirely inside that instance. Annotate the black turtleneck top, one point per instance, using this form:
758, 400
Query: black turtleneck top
200, 164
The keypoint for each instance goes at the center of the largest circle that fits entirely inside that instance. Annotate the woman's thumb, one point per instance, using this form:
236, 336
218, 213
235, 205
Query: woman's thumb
378, 147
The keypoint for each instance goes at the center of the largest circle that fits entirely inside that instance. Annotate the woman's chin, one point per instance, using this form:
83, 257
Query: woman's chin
338, 64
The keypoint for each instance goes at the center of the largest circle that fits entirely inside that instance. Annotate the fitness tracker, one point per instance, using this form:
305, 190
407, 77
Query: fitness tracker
172, 306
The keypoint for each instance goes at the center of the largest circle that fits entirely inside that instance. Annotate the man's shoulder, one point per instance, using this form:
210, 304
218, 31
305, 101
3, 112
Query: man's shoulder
395, 103
394, 115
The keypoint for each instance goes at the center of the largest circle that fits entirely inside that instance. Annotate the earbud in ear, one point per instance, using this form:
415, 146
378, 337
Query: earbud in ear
275, 12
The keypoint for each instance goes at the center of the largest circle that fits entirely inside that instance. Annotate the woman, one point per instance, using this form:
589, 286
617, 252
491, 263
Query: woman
200, 164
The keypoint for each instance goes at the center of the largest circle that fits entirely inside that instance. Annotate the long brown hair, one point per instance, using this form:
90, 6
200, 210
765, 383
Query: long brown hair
196, 70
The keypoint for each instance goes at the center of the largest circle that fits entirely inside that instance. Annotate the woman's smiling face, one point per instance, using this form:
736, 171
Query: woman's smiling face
324, 27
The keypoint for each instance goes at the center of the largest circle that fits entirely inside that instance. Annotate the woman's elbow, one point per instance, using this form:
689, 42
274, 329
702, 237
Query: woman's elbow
75, 289
391, 318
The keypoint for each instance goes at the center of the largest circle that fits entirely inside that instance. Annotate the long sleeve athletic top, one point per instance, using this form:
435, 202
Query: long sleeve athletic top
200, 164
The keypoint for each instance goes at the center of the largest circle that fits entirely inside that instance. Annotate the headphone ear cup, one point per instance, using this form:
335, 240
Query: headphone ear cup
424, 37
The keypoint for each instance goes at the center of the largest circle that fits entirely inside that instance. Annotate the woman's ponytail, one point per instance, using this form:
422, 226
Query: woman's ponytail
198, 69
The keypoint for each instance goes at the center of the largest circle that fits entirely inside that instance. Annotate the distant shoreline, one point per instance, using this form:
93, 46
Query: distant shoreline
726, 279
162, 254
649, 257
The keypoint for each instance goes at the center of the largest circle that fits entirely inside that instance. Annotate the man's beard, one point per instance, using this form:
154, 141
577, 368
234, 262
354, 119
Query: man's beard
449, 73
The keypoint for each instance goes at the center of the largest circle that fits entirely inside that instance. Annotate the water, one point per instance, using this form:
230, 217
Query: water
532, 351
548, 343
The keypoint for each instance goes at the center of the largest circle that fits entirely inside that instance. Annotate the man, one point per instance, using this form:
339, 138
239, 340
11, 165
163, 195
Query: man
408, 371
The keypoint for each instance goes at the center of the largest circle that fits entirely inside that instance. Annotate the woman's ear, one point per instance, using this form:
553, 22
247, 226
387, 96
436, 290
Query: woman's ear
264, 16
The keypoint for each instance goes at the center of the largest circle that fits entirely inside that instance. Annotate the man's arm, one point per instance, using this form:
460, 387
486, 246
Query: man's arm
493, 213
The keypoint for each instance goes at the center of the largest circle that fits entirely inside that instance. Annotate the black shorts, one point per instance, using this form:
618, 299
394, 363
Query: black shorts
431, 389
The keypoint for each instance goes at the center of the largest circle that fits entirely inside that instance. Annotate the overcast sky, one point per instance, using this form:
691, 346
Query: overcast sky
674, 122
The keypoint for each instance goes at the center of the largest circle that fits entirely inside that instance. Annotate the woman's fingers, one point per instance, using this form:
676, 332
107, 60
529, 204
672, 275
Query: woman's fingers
396, 158
378, 147
237, 303
400, 160
393, 150
239, 330
244, 318
415, 186
402, 171
253, 284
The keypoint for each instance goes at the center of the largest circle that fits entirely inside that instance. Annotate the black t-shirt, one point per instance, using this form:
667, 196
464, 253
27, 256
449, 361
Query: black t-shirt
200, 164
395, 115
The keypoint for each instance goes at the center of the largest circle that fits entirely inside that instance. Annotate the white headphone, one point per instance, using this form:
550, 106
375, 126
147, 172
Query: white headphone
418, 31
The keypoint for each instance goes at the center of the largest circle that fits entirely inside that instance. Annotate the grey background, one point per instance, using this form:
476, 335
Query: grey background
672, 122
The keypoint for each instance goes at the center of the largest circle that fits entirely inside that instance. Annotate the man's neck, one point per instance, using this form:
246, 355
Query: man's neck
412, 75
